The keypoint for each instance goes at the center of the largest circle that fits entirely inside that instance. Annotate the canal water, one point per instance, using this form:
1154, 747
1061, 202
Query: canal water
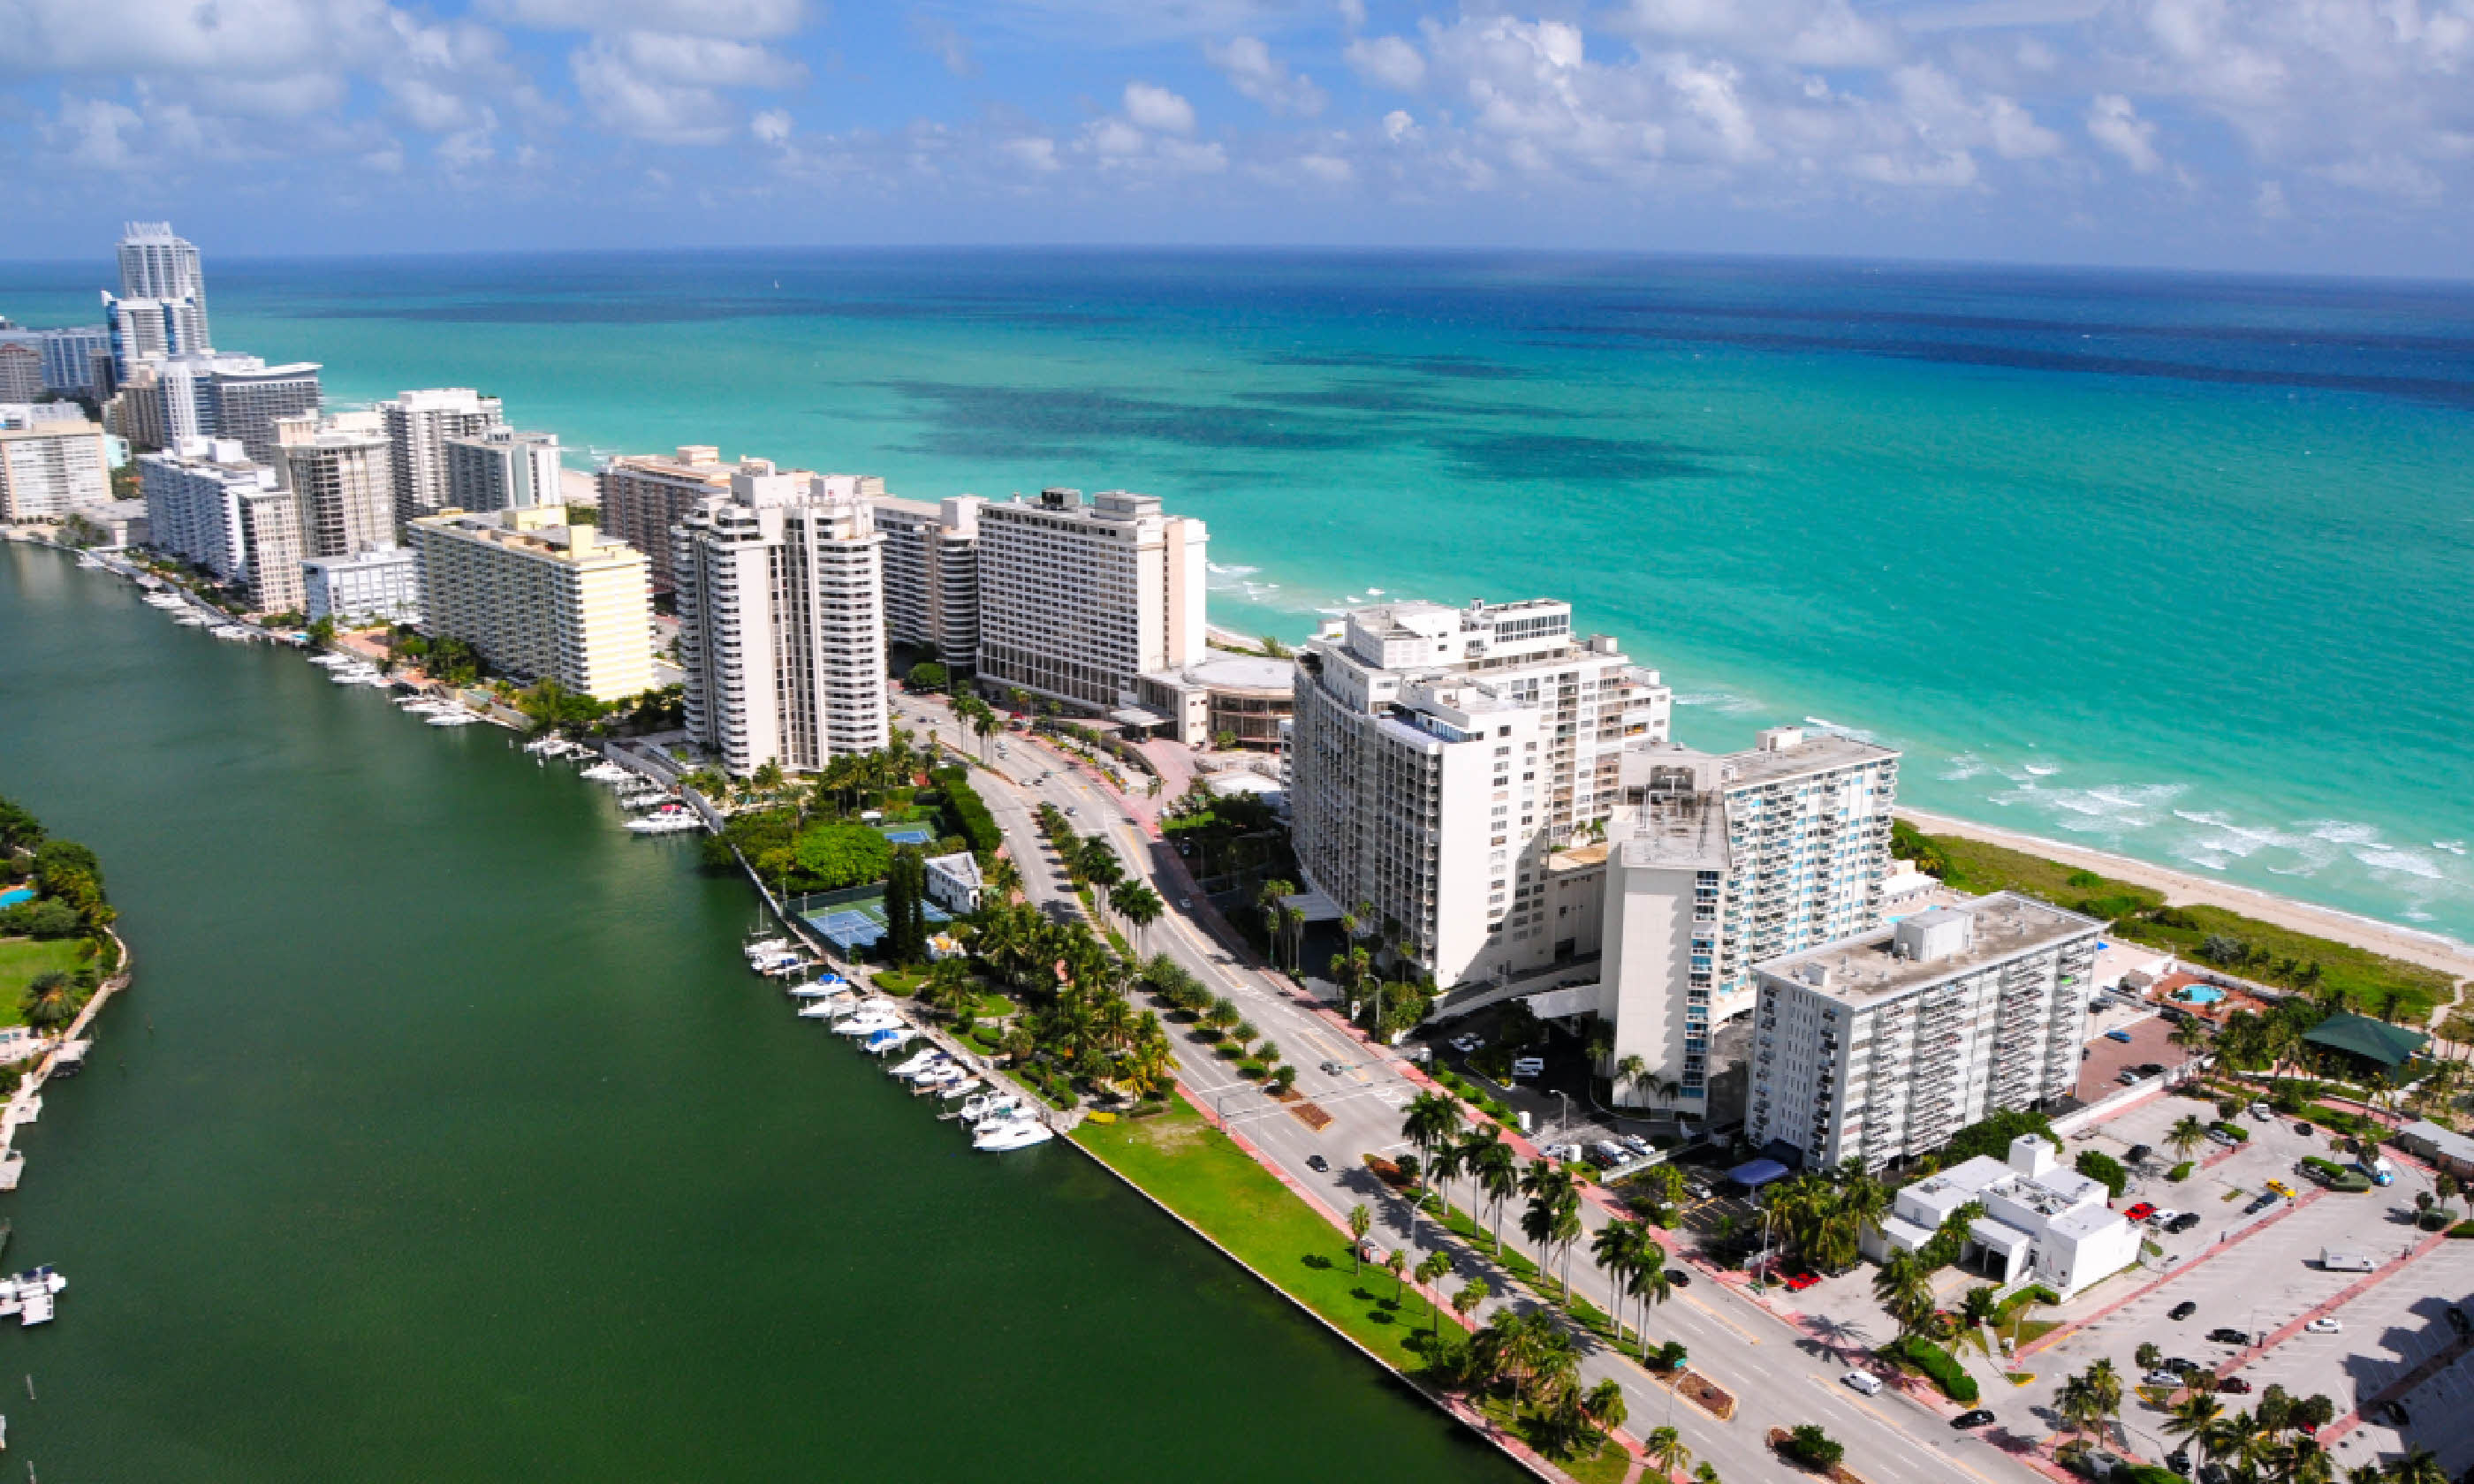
445, 1136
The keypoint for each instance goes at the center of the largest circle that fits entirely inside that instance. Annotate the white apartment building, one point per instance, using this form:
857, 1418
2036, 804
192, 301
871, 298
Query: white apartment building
48, 468
1881, 1045
380, 587
502, 469
1719, 861
338, 468
191, 494
2041, 1224
143, 329
246, 398
644, 497
1077, 598
932, 574
417, 428
1437, 756
538, 599
267, 525
781, 620
156, 263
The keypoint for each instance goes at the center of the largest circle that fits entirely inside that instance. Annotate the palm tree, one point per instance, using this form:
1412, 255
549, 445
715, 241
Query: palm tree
1360, 1222
1905, 1290
1553, 1217
2191, 1035
1469, 1296
1633, 1072
1005, 881
1498, 1174
1434, 1265
2104, 1389
51, 1001
2418, 1467
1432, 1122
1650, 1285
1603, 1405
1616, 1251
1397, 1261
1665, 1451
1140, 906
1267, 898
1707, 1474
2187, 1134
2192, 1418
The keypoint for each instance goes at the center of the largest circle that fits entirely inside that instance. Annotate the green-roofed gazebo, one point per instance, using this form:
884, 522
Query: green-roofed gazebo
2375, 1042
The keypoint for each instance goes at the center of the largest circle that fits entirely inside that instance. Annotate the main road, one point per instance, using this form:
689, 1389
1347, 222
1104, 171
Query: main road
1780, 1378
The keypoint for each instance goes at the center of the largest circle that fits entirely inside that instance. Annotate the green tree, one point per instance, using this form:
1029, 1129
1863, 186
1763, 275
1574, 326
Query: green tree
2188, 1133
927, 675
1360, 1222
1434, 1265
1397, 1261
1665, 1451
1469, 1295
1904, 1288
833, 855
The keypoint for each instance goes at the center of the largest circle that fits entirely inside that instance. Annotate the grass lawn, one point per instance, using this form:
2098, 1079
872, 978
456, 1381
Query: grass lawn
21, 959
1606, 1464
1197, 1172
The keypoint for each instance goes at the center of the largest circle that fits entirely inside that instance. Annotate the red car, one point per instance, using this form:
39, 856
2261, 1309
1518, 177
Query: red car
2139, 1212
1797, 1282
2233, 1385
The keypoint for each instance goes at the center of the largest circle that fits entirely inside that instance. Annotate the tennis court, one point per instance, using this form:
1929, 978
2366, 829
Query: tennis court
907, 834
853, 919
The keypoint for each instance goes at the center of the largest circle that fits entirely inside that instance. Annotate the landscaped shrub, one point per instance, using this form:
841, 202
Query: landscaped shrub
970, 813
2180, 1172
1813, 1448
1940, 1365
2097, 1164
2461, 1229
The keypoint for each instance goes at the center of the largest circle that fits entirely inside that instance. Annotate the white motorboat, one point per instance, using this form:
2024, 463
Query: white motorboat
453, 719
31, 1295
819, 988
649, 799
1012, 1134
545, 746
891, 1038
88, 564
819, 1010
917, 1063
867, 1022
606, 771
331, 659
944, 1075
766, 946
192, 621
666, 824
233, 633
373, 681
163, 600
968, 1084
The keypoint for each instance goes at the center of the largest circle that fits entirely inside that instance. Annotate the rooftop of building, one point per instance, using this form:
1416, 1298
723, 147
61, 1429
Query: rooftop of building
2373, 1041
1686, 831
540, 530
1791, 752
1927, 948
1219, 671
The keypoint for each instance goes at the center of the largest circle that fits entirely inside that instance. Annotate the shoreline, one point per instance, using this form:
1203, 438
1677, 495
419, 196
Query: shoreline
2414, 945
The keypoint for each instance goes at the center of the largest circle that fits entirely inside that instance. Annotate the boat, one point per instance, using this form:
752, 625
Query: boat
968, 1084
666, 824
891, 1038
766, 946
867, 1022
1012, 1134
163, 600
331, 659
31, 1295
946, 1075
819, 1010
819, 988
545, 746
917, 1063
649, 799
233, 633
192, 621
89, 564
453, 719
607, 772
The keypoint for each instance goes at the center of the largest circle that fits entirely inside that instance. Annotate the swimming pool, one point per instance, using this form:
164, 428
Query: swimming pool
2200, 995
16, 895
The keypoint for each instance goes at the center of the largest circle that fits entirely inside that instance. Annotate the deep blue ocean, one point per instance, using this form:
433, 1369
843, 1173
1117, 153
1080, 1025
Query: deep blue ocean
2178, 566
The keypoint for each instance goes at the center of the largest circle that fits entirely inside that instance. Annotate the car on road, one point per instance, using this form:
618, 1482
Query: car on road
1679, 1278
1332, 1069
2182, 1310
2232, 1385
2281, 1189
2262, 1111
2226, 1336
2181, 1366
1318, 1164
2266, 1198
2122, 1037
1979, 1418
1863, 1381
2179, 1462
2324, 1325
2183, 1222
2139, 1212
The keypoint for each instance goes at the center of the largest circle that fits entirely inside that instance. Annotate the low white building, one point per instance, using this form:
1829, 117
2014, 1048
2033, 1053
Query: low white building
953, 882
2041, 1223
375, 587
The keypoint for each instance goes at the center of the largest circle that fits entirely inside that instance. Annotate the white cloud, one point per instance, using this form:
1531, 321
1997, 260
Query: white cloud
669, 89
1034, 153
1251, 69
1154, 107
770, 127
2114, 123
1399, 125
1329, 168
947, 45
2385, 175
96, 133
745, 19
2268, 200
1387, 61
1806, 33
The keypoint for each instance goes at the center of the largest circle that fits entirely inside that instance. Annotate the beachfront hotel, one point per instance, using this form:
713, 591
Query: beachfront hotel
338, 468
1881, 1045
1078, 597
1439, 756
418, 425
190, 493
643, 496
378, 586
500, 467
47, 468
538, 599
781, 606
932, 574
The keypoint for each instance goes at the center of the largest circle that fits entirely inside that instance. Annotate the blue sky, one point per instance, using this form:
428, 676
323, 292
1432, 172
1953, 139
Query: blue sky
2313, 135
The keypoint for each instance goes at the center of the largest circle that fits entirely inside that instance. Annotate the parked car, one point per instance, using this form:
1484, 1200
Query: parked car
2261, 1111
2181, 1366
1464, 1044
2183, 1222
2223, 1137
2182, 1310
2139, 1212
1528, 1066
2159, 1376
2165, 1217
2232, 1385
1637, 1145
2226, 1336
2137, 1152
2396, 1415
2179, 1462
2125, 1076
1864, 1381
1611, 1154
2324, 1325
2122, 1037
2266, 1199
2151, 1068
1979, 1418
1802, 1279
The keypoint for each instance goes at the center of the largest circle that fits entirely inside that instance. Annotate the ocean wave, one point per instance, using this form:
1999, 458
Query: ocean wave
1830, 729
2038, 770
2392, 857
1217, 570
1963, 766
2452, 847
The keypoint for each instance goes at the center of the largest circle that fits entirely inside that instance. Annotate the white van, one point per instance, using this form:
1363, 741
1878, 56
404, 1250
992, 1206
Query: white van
1528, 1066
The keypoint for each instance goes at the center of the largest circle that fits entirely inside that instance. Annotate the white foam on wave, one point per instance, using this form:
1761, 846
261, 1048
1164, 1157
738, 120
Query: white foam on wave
2452, 847
1718, 700
2395, 857
1217, 570
1831, 729
2038, 770
1963, 766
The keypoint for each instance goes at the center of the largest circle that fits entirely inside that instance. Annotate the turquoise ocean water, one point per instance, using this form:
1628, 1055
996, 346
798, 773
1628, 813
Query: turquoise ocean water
2176, 566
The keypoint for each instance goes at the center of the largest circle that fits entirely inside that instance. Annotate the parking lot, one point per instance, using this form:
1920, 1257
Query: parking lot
2150, 1044
2387, 1332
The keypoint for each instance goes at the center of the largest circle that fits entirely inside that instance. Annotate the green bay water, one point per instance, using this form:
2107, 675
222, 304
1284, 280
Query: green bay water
2172, 566
445, 1136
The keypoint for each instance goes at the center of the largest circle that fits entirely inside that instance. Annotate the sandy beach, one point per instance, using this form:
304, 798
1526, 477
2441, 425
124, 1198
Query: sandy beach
2430, 949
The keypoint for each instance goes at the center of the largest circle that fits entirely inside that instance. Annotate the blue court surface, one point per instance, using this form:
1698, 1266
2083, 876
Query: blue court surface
907, 834
859, 923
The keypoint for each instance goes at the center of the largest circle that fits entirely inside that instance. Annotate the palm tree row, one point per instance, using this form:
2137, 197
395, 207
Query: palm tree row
1532, 1358
2272, 1444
